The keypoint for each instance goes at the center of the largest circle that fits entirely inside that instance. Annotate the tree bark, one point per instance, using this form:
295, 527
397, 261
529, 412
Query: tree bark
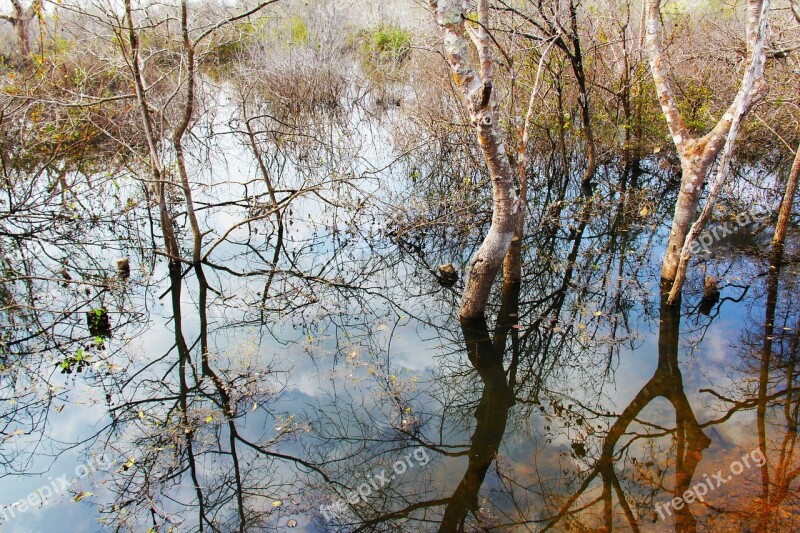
785, 215
698, 154
752, 85
180, 131
512, 264
480, 100
21, 21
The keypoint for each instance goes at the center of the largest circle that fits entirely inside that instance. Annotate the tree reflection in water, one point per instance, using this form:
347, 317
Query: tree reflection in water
312, 346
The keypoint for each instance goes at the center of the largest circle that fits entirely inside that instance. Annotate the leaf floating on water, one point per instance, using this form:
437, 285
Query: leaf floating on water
644, 212
277, 503
581, 326
80, 496
209, 419
598, 313
292, 523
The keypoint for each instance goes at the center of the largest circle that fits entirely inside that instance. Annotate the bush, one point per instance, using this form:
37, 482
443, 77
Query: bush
296, 80
387, 43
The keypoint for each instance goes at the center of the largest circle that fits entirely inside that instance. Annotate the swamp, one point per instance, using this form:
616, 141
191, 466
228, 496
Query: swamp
426, 265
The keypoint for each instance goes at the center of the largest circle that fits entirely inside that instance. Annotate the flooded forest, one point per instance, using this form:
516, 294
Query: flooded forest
410, 266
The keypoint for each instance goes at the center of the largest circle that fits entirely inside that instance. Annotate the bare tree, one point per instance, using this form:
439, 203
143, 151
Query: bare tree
481, 102
697, 155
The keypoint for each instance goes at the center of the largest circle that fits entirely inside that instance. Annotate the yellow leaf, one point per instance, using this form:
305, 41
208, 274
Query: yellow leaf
80, 496
209, 419
581, 326
598, 313
277, 503
644, 212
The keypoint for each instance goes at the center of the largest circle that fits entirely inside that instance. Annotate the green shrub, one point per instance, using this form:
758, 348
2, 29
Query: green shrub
386, 43
298, 31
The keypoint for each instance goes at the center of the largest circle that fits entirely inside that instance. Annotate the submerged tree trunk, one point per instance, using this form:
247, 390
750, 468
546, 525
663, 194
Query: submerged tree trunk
480, 100
782, 227
753, 75
697, 155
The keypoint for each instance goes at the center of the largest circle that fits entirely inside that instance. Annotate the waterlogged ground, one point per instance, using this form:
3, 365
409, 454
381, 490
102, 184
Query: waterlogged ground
311, 372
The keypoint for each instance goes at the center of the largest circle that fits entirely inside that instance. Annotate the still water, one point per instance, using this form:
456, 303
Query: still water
311, 373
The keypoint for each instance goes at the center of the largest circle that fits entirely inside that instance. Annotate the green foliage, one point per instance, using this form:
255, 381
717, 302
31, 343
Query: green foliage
291, 32
387, 43
76, 362
298, 31
696, 107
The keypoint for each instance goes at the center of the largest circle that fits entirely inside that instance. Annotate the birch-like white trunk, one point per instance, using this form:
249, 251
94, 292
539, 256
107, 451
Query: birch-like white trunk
698, 154
512, 264
753, 74
476, 89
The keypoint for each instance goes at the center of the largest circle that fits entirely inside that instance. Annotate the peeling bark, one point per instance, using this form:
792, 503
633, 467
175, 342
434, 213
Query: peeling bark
698, 154
480, 100
752, 86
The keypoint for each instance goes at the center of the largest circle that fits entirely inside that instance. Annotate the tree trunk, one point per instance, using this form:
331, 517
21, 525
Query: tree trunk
512, 264
21, 21
480, 100
22, 26
785, 215
698, 155
180, 131
685, 212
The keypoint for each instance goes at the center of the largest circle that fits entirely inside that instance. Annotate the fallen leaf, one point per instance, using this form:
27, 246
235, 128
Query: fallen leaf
80, 496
